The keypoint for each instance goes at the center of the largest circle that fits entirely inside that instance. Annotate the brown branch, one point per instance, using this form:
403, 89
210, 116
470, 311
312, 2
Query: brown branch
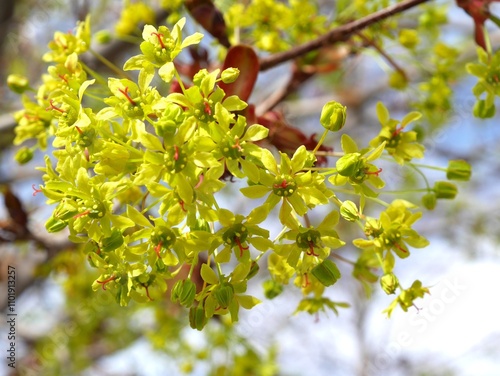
339, 34
385, 55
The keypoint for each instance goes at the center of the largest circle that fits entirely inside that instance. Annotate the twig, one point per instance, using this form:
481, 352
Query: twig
390, 60
339, 34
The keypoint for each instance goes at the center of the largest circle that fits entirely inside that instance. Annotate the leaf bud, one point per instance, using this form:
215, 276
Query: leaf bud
230, 75
23, 155
458, 170
349, 164
445, 189
349, 211
326, 272
333, 116
224, 294
184, 292
17, 83
429, 200
389, 283
197, 318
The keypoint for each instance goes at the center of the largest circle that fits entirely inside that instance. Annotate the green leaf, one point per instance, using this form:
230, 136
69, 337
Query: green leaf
233, 103
208, 275
167, 72
192, 39
137, 217
348, 144
299, 159
250, 170
255, 132
382, 113
255, 191
247, 301
258, 215
412, 116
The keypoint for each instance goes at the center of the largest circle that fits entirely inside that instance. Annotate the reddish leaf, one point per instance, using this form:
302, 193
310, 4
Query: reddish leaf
287, 138
208, 16
15, 210
245, 59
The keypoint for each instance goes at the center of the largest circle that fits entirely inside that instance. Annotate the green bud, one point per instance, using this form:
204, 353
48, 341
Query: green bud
184, 292
445, 189
229, 75
17, 83
272, 288
23, 155
103, 37
333, 116
349, 164
224, 294
112, 242
197, 318
389, 283
254, 269
429, 200
55, 224
397, 80
482, 111
349, 211
458, 170
408, 38
326, 272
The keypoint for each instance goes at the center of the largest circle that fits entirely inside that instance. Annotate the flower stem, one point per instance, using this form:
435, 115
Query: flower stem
322, 139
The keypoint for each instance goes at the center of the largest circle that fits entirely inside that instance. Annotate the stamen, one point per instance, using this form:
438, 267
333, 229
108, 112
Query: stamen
127, 95
311, 250
237, 240
112, 278
35, 190
376, 173
397, 132
158, 248
159, 36
53, 107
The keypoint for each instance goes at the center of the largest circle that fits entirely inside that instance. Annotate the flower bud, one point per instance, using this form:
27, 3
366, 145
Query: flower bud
326, 272
429, 200
55, 224
112, 242
184, 292
445, 189
333, 116
23, 155
349, 164
482, 110
272, 288
408, 38
254, 269
229, 75
224, 294
197, 318
389, 283
458, 170
102, 37
17, 83
349, 211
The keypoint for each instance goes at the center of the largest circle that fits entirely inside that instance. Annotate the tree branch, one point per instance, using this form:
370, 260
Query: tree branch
339, 34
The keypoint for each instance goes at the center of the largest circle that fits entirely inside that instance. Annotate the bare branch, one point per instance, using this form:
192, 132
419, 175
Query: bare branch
339, 34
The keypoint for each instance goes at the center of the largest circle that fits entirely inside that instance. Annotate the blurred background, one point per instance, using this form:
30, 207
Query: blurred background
63, 328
